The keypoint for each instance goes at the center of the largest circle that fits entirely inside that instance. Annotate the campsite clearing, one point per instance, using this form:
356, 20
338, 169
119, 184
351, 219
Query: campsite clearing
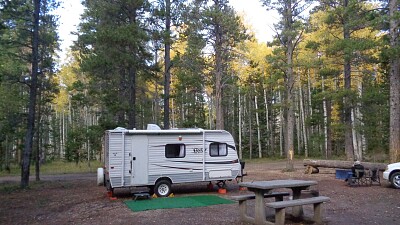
75, 199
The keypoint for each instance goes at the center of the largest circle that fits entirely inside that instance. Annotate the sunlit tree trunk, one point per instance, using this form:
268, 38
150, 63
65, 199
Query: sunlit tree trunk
298, 130
258, 128
355, 137
250, 130
357, 122
302, 115
325, 119
328, 131
298, 115
290, 81
218, 78
267, 140
281, 127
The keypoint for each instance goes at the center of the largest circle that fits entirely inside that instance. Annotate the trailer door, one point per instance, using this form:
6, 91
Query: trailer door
139, 160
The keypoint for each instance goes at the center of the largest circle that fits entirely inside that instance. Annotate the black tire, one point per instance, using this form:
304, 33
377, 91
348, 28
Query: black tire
108, 186
162, 188
395, 180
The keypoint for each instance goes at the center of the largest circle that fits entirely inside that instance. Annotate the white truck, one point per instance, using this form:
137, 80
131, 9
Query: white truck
392, 173
156, 158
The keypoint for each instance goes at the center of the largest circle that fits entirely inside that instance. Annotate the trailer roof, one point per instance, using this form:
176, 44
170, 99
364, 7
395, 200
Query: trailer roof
171, 131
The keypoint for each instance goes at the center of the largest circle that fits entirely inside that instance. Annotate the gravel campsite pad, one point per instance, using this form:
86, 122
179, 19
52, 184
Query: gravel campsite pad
75, 199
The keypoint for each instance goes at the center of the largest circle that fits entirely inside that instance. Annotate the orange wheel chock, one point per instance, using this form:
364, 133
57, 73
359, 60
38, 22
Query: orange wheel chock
222, 191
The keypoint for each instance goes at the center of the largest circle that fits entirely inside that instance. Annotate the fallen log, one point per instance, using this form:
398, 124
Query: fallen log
312, 165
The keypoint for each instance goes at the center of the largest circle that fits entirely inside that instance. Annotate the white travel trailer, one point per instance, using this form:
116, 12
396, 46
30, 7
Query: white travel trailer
156, 158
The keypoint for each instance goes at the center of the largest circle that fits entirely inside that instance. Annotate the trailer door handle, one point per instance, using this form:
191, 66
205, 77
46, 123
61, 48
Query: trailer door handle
134, 158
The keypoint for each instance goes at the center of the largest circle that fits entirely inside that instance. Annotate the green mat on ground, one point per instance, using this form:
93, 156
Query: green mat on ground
176, 202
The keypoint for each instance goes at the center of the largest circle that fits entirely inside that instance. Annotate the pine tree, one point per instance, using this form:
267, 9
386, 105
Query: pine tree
394, 18
290, 30
349, 19
113, 42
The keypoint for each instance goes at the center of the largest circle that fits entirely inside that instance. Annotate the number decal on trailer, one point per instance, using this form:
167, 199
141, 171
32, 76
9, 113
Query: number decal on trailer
198, 150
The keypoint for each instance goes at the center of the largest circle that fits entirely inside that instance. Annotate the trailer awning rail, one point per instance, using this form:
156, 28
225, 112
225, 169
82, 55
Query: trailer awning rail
185, 131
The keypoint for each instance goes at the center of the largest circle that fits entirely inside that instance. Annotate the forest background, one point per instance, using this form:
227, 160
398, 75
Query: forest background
327, 86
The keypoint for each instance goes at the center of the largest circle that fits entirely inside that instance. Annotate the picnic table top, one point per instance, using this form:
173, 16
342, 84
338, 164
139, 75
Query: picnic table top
271, 184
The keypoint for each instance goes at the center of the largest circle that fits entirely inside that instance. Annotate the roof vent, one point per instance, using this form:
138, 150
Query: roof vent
153, 127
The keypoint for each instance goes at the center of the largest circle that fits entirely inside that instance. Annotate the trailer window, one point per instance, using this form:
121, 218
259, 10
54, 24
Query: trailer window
218, 149
175, 151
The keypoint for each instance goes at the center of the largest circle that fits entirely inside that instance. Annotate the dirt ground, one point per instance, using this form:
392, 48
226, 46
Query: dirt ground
75, 199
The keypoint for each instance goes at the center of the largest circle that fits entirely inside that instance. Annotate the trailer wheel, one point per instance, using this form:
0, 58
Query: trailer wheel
162, 188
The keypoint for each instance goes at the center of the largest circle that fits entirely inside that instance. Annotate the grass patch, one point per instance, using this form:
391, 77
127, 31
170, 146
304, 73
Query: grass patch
60, 167
57, 167
263, 160
9, 188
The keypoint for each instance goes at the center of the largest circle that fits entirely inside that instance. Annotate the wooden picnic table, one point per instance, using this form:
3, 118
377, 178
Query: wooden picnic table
264, 187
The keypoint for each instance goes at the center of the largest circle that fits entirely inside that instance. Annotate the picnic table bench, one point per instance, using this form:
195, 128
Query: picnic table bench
280, 207
278, 196
260, 188
243, 205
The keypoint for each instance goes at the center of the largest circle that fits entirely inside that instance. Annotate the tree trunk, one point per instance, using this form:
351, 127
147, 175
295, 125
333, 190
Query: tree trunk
132, 98
26, 160
210, 113
123, 97
309, 105
7, 156
303, 122
250, 132
38, 137
298, 127
281, 127
309, 93
258, 129
167, 59
218, 85
349, 147
289, 142
267, 143
325, 119
156, 111
394, 145
240, 126
342, 164
328, 129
